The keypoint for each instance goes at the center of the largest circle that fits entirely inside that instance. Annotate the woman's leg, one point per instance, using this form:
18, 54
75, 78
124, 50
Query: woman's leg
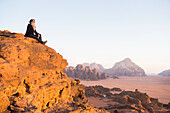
35, 37
40, 37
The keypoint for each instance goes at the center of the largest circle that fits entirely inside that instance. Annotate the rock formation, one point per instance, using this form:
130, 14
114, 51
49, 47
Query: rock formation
32, 79
94, 65
97, 91
126, 101
115, 89
165, 73
115, 77
126, 68
167, 106
84, 73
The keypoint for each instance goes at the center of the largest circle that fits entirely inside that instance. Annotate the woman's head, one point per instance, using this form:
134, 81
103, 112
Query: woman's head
32, 21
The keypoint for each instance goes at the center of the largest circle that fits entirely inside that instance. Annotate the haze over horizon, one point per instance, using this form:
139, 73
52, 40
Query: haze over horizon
98, 31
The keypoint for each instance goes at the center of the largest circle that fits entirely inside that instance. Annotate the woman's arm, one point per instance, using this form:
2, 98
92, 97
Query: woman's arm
28, 30
36, 33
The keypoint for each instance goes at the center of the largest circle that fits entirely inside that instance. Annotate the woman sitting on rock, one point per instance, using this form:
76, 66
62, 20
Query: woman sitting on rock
31, 32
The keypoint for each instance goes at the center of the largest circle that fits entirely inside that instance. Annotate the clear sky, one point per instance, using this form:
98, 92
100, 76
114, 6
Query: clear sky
101, 31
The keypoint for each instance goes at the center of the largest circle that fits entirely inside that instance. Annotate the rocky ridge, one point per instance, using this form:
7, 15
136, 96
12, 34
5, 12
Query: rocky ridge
127, 101
84, 73
32, 79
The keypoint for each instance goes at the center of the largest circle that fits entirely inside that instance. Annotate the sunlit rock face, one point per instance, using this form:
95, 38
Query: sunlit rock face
32, 78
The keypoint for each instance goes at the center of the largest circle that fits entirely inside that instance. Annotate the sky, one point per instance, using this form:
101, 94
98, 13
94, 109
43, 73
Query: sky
101, 31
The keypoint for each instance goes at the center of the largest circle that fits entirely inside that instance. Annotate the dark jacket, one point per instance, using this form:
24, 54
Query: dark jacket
30, 31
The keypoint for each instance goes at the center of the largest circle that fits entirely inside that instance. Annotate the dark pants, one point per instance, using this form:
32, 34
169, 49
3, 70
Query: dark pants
39, 39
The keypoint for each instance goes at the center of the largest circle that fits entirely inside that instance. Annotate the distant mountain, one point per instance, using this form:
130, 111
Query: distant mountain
126, 68
122, 68
165, 73
84, 73
99, 67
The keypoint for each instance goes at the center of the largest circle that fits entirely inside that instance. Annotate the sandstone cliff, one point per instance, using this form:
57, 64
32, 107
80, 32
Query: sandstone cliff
84, 73
32, 79
126, 68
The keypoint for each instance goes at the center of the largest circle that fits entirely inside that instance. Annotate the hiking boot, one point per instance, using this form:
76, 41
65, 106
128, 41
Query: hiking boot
45, 42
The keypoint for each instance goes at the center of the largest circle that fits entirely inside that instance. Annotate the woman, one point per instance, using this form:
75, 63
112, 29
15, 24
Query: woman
31, 32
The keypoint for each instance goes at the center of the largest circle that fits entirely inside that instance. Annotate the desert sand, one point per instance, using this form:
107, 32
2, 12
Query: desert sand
156, 87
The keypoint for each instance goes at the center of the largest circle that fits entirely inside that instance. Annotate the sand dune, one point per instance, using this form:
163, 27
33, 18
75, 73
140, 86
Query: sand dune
156, 87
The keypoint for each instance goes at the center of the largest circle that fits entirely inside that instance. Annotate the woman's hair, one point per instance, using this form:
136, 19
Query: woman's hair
31, 20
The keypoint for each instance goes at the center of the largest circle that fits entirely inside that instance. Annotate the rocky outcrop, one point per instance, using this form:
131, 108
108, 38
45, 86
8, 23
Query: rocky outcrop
126, 101
32, 79
167, 106
115, 89
97, 91
115, 77
84, 73
126, 68
165, 73
94, 65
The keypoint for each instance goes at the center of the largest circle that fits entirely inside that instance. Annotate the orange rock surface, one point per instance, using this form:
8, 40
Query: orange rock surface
32, 79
